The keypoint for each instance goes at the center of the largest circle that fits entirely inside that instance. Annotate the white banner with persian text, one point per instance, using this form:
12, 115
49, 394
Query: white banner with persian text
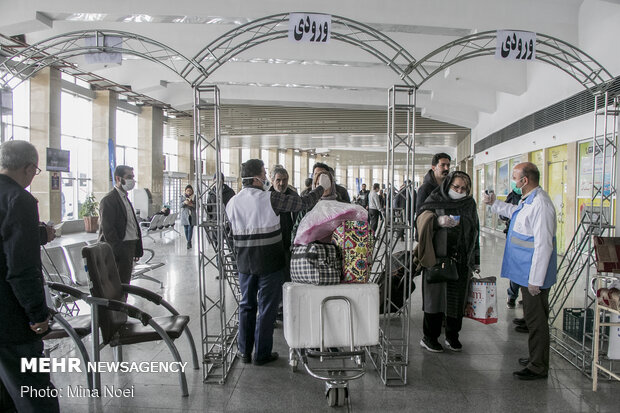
313, 28
515, 45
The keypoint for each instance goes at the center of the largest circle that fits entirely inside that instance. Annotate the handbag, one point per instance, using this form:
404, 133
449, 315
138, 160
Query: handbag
316, 263
444, 270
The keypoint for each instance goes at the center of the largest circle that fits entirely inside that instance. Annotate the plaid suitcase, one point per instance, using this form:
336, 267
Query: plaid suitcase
316, 263
356, 240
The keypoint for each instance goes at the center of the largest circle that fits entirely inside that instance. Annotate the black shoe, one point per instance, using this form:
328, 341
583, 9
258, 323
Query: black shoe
272, 357
245, 358
519, 321
524, 361
454, 344
189, 245
431, 345
522, 329
510, 304
527, 374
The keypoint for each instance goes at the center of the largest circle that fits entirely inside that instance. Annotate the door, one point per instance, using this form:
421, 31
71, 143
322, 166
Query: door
557, 182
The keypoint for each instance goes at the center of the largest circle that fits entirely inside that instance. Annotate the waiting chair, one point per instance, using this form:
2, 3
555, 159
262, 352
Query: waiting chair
155, 225
110, 312
76, 263
76, 327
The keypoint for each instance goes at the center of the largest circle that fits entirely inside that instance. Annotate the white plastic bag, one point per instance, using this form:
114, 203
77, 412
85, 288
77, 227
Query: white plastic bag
324, 218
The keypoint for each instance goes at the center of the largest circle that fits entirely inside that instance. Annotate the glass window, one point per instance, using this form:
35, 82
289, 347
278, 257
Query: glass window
297, 171
282, 158
264, 155
245, 154
76, 137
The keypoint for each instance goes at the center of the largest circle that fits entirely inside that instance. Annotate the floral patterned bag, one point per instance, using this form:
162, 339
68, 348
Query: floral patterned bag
356, 241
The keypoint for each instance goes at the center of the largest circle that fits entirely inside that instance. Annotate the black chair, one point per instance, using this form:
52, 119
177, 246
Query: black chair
76, 327
110, 312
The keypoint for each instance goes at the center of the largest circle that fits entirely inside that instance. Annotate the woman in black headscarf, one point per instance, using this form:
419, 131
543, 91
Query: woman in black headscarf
456, 234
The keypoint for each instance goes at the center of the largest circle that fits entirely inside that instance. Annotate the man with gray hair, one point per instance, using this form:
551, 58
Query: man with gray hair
24, 315
279, 178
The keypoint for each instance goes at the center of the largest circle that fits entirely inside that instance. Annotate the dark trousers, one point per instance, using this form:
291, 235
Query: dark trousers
433, 322
189, 231
373, 217
536, 314
513, 290
15, 381
259, 293
124, 260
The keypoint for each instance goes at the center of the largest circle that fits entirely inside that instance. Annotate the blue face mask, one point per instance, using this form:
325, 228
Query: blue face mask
513, 186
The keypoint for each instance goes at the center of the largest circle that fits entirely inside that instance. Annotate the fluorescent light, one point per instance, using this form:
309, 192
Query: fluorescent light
362, 136
322, 137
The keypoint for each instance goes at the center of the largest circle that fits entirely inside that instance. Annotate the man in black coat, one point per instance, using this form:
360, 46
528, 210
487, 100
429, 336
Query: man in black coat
24, 314
119, 226
279, 178
227, 194
440, 168
362, 197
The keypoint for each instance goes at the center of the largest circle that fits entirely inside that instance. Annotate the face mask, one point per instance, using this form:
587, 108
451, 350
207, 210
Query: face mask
128, 185
266, 183
455, 195
513, 186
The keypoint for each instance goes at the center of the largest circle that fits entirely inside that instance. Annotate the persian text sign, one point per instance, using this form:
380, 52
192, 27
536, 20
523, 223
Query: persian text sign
314, 28
515, 45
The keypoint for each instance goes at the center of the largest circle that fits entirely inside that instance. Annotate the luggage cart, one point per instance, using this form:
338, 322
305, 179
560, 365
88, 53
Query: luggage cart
302, 327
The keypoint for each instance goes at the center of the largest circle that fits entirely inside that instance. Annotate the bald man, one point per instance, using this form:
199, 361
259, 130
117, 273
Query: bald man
530, 260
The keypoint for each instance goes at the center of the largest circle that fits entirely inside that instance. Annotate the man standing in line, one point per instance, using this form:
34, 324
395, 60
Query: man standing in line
530, 260
119, 226
253, 215
24, 314
279, 178
440, 168
374, 207
362, 197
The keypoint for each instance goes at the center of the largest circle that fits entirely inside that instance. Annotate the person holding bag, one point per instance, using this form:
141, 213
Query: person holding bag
449, 221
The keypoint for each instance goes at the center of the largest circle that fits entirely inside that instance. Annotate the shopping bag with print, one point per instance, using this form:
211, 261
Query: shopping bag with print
482, 300
356, 241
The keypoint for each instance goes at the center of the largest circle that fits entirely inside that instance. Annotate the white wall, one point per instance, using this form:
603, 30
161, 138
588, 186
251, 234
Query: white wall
598, 34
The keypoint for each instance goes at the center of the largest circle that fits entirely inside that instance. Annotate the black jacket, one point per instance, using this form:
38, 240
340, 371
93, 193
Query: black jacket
227, 194
425, 189
362, 198
343, 194
113, 222
22, 300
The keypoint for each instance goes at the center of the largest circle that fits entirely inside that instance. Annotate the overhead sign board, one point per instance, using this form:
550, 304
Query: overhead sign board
515, 45
313, 28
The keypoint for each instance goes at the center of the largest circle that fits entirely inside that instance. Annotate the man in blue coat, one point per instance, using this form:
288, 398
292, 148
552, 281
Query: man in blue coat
530, 260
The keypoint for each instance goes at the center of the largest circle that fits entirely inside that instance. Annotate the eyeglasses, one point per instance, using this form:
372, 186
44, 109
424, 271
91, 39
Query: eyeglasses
38, 170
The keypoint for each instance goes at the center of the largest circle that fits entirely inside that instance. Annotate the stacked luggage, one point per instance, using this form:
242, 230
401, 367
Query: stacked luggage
331, 311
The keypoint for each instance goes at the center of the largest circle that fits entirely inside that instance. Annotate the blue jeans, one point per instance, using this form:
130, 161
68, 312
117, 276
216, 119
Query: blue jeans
14, 380
259, 293
513, 291
189, 231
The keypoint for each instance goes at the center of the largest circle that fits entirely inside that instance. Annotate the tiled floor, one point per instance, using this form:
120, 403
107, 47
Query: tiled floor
477, 380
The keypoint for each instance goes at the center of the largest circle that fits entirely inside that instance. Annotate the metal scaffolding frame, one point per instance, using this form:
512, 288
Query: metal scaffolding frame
392, 353
391, 356
578, 264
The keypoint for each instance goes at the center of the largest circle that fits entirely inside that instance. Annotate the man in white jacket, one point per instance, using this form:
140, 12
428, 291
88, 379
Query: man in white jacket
530, 260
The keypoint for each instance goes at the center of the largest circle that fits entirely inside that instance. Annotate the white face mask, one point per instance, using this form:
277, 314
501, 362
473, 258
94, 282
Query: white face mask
455, 195
266, 183
128, 185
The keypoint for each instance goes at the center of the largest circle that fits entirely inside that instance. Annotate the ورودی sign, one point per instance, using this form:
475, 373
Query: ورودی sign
313, 28
515, 45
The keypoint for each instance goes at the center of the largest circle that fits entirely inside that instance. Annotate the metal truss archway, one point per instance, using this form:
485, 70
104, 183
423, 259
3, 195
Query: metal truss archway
275, 27
391, 356
566, 57
578, 262
59, 50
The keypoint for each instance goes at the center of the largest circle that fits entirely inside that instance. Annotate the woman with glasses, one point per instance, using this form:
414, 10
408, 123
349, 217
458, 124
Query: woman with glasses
455, 234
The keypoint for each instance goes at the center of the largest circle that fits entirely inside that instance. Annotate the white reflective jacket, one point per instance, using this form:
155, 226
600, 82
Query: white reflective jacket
530, 255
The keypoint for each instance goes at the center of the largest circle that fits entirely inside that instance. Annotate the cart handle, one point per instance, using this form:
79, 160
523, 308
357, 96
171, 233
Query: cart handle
601, 278
350, 313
